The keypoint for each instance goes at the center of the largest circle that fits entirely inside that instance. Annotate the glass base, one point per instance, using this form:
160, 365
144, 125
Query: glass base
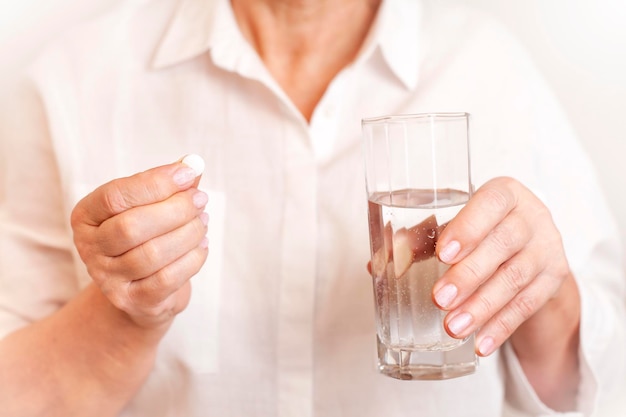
427, 365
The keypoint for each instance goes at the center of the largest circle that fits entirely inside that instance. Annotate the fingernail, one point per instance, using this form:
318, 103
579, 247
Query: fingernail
446, 295
459, 323
194, 162
204, 243
184, 176
450, 251
486, 346
204, 218
200, 199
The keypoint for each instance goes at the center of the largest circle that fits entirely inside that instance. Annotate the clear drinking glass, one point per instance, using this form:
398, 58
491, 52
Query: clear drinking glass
418, 178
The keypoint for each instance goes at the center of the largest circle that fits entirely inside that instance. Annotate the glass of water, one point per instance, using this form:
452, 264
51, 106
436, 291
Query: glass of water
418, 178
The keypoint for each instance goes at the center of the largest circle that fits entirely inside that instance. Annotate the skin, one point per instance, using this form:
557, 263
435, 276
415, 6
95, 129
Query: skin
141, 238
305, 43
510, 272
510, 279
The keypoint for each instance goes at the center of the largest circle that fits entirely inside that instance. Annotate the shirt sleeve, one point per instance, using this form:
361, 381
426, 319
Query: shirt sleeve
570, 189
602, 338
36, 262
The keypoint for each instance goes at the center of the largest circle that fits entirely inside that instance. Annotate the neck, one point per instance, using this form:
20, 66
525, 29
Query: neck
305, 43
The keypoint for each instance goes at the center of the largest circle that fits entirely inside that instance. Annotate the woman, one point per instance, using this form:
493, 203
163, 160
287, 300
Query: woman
279, 322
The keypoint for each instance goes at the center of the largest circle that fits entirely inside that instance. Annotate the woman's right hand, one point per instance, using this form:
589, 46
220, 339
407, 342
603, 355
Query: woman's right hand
142, 238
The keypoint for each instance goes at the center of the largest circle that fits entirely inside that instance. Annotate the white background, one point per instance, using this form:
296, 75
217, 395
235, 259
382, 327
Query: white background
580, 45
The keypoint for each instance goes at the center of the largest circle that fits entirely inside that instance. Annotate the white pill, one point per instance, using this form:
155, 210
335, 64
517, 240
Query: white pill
194, 162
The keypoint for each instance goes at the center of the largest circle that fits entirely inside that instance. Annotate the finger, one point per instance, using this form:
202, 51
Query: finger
196, 163
462, 279
137, 225
146, 187
153, 255
114, 273
510, 279
151, 291
164, 311
525, 304
487, 207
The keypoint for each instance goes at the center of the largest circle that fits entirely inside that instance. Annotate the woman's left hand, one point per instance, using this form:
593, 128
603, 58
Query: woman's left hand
507, 262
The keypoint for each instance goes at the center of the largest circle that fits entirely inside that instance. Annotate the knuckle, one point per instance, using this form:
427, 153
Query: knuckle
151, 292
127, 226
178, 204
514, 314
200, 256
114, 199
150, 186
96, 274
506, 182
76, 217
117, 295
79, 216
470, 269
83, 248
144, 294
164, 280
167, 308
496, 199
541, 210
98, 269
150, 253
485, 303
504, 238
469, 228
506, 324
562, 270
514, 275
523, 306
199, 228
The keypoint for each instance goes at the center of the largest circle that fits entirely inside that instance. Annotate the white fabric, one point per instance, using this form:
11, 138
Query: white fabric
281, 320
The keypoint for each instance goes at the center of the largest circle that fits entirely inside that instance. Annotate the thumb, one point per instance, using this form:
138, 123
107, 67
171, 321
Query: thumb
196, 163
147, 187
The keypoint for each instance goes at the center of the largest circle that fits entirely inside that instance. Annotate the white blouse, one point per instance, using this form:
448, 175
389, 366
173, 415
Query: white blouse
281, 321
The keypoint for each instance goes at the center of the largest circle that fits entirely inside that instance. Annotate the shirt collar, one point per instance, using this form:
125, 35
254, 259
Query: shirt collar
397, 35
199, 25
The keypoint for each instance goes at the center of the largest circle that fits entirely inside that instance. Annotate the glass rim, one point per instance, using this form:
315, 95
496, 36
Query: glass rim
414, 116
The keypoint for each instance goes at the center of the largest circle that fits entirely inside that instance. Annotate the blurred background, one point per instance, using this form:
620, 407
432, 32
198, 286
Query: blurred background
579, 45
